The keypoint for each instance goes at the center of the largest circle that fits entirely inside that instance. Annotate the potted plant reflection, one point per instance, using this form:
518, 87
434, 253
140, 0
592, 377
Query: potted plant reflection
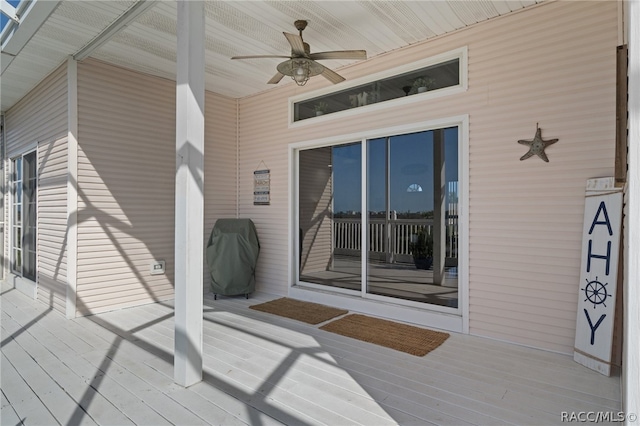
421, 248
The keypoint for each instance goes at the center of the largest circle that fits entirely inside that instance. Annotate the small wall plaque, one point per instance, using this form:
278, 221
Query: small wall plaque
262, 187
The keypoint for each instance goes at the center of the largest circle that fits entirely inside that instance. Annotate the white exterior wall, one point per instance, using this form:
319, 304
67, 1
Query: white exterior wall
631, 357
40, 119
126, 132
126, 183
554, 65
220, 160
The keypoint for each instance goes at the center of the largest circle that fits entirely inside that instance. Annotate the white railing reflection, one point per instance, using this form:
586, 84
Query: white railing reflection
395, 245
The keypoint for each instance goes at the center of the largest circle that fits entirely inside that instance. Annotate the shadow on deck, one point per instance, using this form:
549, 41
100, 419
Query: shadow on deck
116, 368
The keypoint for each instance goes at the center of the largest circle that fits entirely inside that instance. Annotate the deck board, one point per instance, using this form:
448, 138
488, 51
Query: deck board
377, 361
8, 415
116, 368
22, 397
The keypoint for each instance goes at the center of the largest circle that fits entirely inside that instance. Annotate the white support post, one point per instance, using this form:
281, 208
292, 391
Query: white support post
189, 218
631, 354
388, 246
439, 207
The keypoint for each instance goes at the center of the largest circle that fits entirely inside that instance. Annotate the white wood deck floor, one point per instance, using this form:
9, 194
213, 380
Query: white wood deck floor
116, 369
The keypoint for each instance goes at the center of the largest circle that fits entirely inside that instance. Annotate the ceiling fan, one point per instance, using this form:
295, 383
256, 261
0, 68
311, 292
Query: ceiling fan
302, 65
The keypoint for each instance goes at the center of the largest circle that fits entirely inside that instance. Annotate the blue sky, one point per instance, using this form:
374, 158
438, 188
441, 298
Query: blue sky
411, 163
4, 19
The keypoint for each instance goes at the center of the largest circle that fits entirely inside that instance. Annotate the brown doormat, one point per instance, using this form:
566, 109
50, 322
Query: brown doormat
311, 313
402, 337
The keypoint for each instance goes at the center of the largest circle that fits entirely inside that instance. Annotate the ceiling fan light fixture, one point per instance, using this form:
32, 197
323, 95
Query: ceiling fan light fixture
302, 65
300, 69
301, 73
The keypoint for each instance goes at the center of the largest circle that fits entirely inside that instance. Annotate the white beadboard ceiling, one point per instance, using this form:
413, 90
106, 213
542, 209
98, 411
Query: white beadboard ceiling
148, 44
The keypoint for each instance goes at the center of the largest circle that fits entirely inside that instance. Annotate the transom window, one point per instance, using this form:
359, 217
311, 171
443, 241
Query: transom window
416, 82
430, 77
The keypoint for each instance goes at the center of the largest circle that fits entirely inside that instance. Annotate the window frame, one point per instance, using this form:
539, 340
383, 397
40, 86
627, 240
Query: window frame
13, 180
453, 319
461, 54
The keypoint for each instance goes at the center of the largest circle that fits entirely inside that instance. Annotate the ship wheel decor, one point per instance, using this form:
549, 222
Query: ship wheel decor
537, 146
596, 292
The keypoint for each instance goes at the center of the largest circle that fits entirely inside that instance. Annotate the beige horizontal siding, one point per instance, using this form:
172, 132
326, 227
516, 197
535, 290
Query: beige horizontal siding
126, 165
41, 118
105, 304
552, 65
263, 138
52, 223
220, 165
564, 79
126, 183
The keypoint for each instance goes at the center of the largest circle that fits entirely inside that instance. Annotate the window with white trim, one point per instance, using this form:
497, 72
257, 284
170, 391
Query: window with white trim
441, 75
397, 242
23, 186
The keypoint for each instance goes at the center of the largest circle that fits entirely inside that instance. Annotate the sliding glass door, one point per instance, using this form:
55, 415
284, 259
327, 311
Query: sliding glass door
409, 229
412, 216
329, 212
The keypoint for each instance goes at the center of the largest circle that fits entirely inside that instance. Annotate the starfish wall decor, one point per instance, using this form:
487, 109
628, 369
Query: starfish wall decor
537, 146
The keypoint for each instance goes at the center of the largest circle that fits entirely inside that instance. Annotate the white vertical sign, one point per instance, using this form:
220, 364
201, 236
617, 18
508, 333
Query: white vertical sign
261, 187
598, 275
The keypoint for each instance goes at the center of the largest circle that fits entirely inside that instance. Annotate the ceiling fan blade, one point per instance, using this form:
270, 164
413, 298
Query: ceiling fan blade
340, 54
260, 56
276, 78
332, 76
297, 45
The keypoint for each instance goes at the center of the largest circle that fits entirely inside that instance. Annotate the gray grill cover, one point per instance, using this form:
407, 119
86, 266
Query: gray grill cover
232, 254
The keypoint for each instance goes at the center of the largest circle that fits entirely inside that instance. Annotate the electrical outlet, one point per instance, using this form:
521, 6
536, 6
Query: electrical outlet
157, 267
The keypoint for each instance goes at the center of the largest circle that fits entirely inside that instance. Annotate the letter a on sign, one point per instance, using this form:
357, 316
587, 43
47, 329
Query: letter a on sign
602, 209
598, 275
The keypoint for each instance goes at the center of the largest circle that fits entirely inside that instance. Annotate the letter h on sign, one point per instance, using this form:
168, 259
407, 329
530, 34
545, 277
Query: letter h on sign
606, 257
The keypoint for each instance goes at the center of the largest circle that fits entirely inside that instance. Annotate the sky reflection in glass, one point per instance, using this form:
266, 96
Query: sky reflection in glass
411, 162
